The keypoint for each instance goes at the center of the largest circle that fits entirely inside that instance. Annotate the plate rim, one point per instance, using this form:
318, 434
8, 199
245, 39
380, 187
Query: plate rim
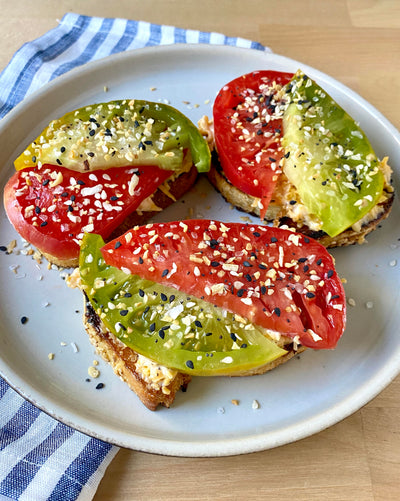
231, 446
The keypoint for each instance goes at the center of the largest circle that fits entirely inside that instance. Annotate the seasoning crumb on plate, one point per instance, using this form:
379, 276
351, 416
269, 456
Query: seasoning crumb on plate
93, 372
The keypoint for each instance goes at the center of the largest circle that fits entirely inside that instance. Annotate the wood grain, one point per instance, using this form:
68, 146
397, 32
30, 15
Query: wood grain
358, 43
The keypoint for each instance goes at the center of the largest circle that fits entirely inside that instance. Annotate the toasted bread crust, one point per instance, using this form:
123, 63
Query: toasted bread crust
177, 188
248, 204
123, 361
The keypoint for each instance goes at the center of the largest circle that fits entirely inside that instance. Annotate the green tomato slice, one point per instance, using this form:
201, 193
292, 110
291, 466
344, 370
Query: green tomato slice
328, 157
164, 324
118, 134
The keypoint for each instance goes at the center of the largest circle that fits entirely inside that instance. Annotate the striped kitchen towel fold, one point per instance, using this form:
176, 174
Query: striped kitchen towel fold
79, 39
40, 458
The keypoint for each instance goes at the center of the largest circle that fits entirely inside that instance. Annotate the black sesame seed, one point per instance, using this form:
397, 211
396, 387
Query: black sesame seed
274, 240
189, 364
244, 345
127, 294
161, 333
209, 334
330, 274
80, 182
302, 259
256, 234
163, 297
310, 295
171, 298
123, 313
197, 323
37, 210
233, 337
214, 264
62, 149
141, 260
240, 292
319, 262
92, 132
263, 289
70, 208
24, 320
247, 277
287, 154
117, 245
277, 312
113, 198
65, 194
3, 248
152, 327
247, 264
99, 386
165, 273
141, 292
262, 266
46, 182
44, 223
306, 268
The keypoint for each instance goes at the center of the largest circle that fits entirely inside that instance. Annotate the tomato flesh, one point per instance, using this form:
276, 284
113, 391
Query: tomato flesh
164, 324
275, 278
52, 207
329, 159
248, 130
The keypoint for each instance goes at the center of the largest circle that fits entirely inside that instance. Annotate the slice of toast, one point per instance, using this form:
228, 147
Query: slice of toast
154, 384
276, 214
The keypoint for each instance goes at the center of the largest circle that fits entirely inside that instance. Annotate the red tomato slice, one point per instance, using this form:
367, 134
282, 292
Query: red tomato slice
277, 279
248, 131
52, 207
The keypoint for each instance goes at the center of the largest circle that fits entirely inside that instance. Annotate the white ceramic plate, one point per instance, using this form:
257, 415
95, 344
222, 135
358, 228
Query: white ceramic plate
296, 400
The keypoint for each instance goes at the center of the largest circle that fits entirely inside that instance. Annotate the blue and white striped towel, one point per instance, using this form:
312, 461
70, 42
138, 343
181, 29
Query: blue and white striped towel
40, 458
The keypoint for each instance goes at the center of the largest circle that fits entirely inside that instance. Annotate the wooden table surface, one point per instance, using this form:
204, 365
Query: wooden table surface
358, 43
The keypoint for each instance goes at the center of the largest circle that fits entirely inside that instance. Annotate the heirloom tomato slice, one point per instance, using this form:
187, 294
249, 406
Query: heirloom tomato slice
274, 278
168, 326
52, 207
248, 130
